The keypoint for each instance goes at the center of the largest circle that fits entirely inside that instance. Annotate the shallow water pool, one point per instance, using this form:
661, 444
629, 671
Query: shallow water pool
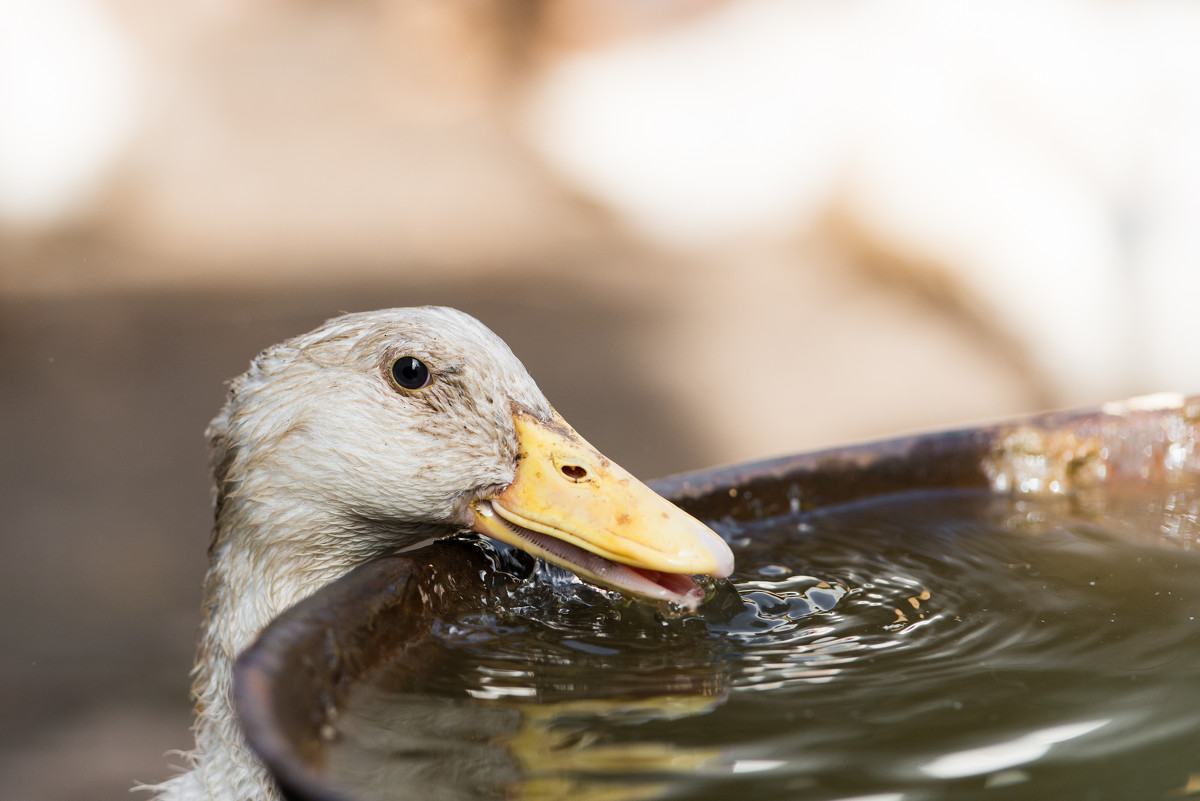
944, 645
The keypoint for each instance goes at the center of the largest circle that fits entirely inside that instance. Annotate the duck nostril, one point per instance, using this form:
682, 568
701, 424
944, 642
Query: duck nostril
574, 472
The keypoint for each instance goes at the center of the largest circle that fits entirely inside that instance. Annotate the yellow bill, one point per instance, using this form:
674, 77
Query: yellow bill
572, 506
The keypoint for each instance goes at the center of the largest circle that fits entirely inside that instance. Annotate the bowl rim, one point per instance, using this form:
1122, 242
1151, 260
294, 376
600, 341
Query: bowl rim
289, 682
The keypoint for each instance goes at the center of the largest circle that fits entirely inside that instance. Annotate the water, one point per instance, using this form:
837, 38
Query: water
927, 646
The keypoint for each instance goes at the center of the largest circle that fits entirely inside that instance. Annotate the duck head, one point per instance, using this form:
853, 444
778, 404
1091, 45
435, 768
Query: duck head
389, 427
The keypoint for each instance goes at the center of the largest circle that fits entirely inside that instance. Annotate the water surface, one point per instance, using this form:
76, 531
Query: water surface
923, 646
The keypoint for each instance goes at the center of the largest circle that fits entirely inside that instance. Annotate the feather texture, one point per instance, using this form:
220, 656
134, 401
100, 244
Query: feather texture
321, 462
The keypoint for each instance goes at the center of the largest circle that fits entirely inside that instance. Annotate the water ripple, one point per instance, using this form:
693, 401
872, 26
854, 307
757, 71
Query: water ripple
922, 647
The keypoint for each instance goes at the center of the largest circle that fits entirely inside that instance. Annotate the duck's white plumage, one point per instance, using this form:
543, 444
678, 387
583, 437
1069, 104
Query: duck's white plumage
321, 462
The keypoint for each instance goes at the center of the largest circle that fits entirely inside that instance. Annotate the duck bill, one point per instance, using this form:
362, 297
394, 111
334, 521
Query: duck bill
573, 507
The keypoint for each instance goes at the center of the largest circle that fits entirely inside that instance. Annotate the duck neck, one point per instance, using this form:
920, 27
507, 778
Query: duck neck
262, 561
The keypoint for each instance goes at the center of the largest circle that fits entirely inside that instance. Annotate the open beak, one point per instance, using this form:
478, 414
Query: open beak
572, 506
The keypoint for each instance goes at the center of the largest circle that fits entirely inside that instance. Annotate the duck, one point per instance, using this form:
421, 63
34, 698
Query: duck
378, 432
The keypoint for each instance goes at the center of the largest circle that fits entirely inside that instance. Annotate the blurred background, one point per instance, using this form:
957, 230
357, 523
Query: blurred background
714, 230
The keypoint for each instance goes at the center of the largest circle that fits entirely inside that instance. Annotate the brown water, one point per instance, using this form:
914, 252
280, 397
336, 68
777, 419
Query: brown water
926, 646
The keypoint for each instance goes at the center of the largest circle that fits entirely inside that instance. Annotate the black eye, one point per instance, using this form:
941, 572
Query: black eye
410, 373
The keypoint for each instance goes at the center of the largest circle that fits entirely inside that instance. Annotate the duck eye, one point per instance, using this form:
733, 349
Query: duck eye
410, 373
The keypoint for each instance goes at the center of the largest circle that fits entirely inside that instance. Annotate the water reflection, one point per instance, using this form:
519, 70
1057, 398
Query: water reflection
562, 756
992, 759
928, 646
410, 745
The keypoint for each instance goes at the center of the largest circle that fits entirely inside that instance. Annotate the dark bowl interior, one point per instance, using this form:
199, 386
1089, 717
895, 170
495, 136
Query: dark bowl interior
290, 683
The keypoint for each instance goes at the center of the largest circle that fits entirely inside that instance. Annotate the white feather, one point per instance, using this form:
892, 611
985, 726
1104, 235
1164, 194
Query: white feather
321, 463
